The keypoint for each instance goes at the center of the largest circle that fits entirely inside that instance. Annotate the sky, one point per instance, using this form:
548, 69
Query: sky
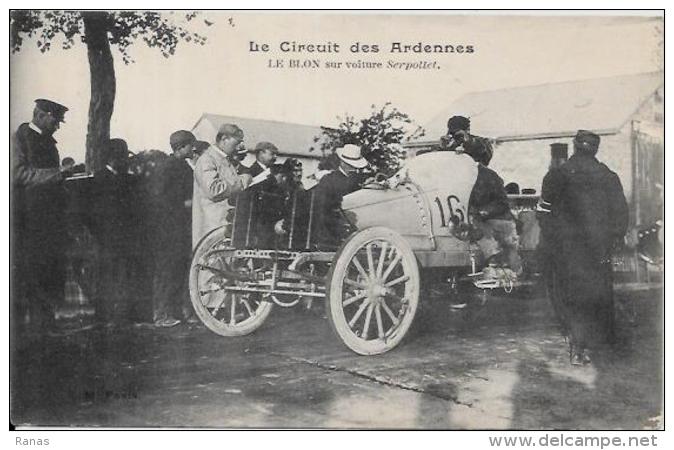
156, 96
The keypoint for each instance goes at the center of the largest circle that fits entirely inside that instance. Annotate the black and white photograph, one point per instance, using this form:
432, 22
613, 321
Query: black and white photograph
337, 220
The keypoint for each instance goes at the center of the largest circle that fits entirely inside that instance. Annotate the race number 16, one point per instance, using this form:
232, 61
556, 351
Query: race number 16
455, 212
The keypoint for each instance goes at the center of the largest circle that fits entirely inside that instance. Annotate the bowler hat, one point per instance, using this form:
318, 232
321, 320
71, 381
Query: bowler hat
52, 108
181, 138
351, 155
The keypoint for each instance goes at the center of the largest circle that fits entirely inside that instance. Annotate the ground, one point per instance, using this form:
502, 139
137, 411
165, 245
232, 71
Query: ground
503, 368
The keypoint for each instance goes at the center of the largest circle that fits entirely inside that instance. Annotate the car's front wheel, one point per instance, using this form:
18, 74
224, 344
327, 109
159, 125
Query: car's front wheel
373, 291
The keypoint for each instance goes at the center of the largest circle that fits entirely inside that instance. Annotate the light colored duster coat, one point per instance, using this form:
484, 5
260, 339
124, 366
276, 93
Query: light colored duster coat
215, 180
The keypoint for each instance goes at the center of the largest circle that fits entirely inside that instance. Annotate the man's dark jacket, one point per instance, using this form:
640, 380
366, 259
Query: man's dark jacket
588, 205
114, 215
489, 195
170, 187
331, 226
38, 198
588, 216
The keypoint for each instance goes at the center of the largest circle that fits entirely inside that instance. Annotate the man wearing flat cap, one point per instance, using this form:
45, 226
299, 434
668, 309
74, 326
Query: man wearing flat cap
38, 215
170, 225
460, 140
265, 156
274, 198
587, 219
215, 181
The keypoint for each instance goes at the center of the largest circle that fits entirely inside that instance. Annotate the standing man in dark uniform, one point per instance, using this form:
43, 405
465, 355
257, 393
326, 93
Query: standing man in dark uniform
39, 228
588, 219
170, 223
114, 222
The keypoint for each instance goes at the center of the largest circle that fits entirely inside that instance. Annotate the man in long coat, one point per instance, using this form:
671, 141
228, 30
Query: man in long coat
169, 219
587, 218
215, 182
114, 222
38, 214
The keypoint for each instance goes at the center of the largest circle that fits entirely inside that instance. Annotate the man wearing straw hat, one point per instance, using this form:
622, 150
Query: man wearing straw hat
331, 226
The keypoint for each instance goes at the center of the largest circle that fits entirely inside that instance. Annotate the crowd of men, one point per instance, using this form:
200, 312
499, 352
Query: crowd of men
190, 193
144, 227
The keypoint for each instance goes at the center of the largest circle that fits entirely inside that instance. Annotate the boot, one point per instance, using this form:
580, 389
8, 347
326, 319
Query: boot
586, 357
575, 355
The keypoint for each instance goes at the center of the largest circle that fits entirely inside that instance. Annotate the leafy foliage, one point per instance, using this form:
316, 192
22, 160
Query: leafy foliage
158, 30
380, 136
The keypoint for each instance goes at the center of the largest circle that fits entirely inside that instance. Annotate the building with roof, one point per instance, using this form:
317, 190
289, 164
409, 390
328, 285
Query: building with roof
626, 111
293, 140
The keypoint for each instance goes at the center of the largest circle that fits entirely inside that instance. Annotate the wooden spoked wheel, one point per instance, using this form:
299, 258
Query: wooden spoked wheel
224, 311
373, 291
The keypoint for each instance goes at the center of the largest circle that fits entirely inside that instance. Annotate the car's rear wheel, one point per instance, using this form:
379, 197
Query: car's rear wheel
373, 291
219, 300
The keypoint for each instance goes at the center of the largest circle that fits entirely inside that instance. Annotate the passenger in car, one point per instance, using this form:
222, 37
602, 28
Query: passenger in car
273, 196
294, 168
329, 225
265, 156
488, 204
326, 165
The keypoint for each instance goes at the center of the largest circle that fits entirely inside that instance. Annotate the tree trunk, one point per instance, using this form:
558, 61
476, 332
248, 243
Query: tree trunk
103, 86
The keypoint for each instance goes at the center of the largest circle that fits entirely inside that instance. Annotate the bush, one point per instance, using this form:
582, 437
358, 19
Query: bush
380, 137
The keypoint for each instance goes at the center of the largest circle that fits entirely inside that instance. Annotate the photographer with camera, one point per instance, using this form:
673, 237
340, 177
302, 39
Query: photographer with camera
459, 139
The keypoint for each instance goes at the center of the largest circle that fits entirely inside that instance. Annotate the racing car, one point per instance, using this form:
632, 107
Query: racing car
404, 225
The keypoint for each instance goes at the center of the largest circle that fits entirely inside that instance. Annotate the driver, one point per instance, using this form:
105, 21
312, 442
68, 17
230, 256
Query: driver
330, 225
